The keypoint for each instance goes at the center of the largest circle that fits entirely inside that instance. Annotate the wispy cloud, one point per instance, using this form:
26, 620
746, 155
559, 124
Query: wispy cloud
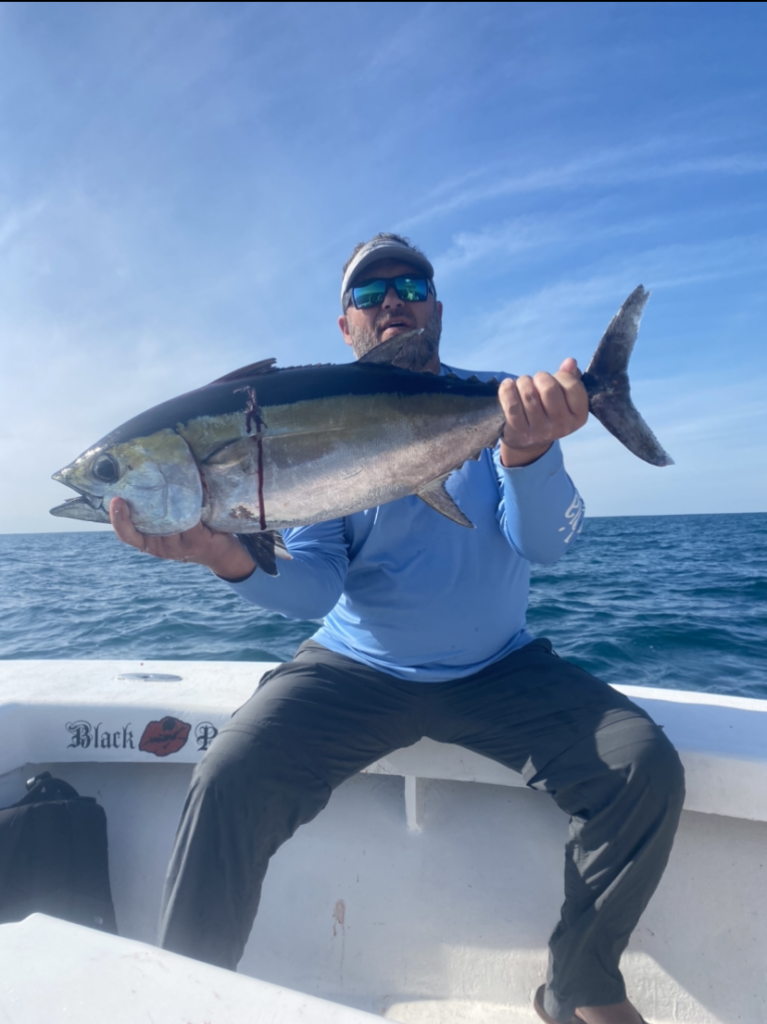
532, 326
518, 237
608, 168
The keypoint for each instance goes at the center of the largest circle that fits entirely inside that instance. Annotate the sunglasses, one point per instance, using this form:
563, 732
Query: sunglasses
372, 293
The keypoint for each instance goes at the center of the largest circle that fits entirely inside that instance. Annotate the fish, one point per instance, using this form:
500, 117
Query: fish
264, 449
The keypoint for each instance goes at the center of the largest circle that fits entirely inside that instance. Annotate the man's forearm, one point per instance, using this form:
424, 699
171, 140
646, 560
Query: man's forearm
542, 510
311, 582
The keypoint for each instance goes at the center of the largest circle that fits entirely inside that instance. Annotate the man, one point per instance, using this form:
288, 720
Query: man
424, 635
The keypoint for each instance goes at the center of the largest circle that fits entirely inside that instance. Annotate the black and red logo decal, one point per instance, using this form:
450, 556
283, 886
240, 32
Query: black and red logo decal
165, 737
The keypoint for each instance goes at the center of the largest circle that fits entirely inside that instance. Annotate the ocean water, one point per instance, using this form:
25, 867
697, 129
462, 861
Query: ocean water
672, 601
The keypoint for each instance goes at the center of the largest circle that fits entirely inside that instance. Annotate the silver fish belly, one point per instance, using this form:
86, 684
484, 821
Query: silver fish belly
334, 456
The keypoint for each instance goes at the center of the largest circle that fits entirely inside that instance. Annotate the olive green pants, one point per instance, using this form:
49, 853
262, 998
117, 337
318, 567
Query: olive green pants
321, 718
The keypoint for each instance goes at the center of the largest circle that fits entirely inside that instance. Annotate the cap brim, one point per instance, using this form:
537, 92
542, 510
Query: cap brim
384, 251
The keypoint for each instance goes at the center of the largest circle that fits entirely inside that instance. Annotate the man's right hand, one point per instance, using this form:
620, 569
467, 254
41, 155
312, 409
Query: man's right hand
540, 410
222, 553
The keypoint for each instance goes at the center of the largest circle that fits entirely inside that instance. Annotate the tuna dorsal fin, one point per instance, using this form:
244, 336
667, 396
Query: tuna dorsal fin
435, 495
251, 370
388, 352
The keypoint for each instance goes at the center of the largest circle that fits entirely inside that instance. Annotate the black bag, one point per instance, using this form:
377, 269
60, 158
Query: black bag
53, 857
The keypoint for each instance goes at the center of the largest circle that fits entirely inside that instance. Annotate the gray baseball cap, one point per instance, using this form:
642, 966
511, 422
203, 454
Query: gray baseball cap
384, 249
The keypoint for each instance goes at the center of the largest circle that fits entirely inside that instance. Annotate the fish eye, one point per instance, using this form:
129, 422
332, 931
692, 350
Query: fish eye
105, 469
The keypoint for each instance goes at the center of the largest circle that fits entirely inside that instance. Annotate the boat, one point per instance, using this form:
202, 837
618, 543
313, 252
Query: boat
423, 894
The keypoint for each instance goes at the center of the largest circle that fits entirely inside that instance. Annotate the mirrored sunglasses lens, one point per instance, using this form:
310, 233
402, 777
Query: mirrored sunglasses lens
370, 294
411, 289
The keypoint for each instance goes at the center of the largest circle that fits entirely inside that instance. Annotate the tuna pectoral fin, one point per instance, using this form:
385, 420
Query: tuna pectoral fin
265, 548
607, 382
435, 495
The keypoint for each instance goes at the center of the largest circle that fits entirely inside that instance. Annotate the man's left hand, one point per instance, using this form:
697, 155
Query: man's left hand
540, 410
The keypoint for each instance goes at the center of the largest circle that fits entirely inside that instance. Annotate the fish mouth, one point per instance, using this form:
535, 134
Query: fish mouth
88, 507
83, 507
95, 501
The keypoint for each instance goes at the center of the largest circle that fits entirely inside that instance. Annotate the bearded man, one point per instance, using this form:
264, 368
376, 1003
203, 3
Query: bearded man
425, 635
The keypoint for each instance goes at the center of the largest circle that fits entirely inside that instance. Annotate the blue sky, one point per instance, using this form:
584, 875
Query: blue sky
181, 182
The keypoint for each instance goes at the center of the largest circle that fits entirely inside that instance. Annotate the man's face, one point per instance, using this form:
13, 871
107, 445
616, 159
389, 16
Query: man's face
420, 323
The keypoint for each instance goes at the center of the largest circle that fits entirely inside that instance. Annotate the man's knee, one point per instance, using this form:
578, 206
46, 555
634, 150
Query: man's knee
645, 771
659, 769
627, 762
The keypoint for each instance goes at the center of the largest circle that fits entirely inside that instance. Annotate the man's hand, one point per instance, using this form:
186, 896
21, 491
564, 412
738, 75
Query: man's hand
540, 410
220, 552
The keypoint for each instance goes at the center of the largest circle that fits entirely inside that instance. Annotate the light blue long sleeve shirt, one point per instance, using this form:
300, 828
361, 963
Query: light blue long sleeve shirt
407, 591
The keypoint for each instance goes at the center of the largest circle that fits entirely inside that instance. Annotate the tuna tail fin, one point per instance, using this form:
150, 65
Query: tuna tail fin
265, 548
607, 382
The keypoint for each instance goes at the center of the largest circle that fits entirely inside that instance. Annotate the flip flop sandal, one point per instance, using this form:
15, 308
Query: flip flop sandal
538, 1007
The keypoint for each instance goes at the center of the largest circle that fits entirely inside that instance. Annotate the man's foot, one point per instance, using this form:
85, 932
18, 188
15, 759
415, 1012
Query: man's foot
615, 1013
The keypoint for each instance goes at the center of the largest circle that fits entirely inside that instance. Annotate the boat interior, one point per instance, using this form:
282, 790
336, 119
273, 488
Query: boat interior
423, 894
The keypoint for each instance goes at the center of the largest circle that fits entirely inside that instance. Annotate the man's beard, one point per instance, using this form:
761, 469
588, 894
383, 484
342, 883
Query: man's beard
417, 347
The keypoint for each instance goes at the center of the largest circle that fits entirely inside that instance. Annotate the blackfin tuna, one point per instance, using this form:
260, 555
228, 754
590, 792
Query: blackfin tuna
263, 449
